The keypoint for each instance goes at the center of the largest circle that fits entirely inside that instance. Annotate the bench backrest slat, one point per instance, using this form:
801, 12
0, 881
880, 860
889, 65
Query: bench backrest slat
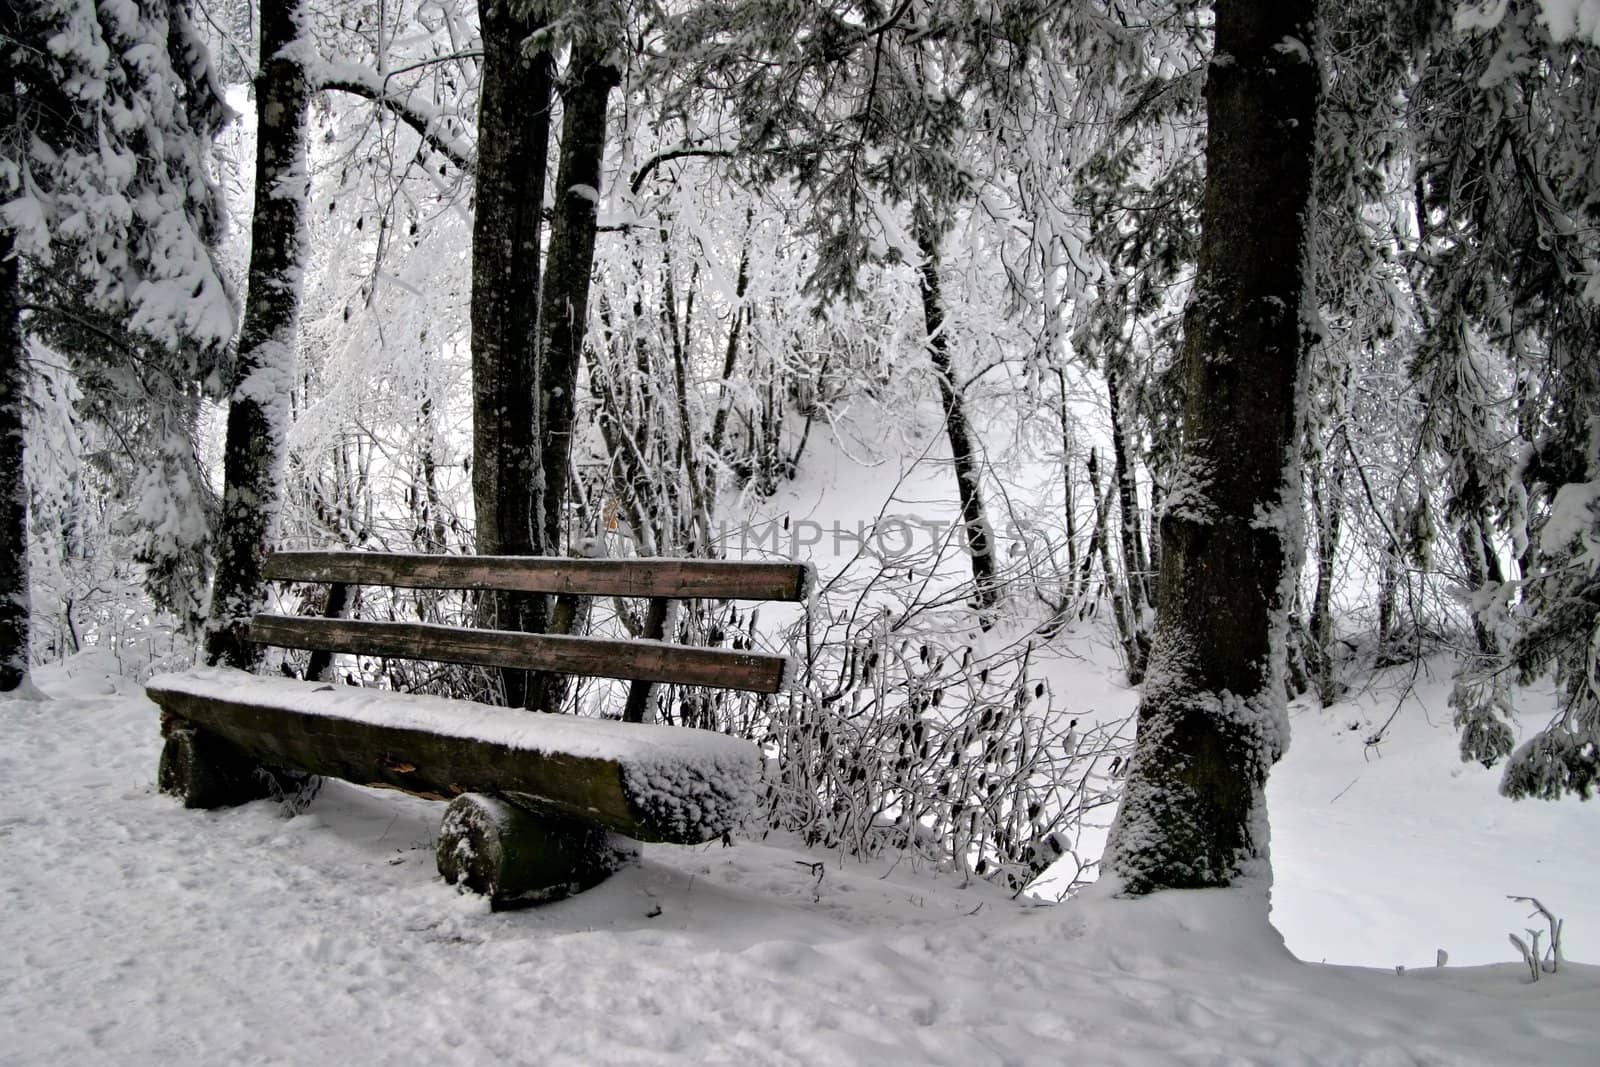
672, 578
594, 657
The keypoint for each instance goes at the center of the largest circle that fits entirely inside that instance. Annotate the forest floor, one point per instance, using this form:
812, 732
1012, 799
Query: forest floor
137, 932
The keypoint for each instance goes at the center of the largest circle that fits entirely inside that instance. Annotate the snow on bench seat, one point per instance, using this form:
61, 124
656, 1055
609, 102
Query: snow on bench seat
654, 783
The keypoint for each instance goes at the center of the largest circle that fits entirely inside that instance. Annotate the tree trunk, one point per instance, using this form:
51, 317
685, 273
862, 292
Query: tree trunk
964, 454
1212, 720
1327, 505
14, 593
564, 310
730, 357
513, 149
1483, 571
14, 604
1097, 534
1136, 598
1067, 510
1134, 558
258, 409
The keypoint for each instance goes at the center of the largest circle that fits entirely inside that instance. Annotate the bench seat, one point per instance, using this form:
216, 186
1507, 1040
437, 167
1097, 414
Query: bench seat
651, 783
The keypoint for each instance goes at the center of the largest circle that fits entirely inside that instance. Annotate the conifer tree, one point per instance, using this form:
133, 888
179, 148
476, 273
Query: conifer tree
1212, 719
1506, 116
107, 219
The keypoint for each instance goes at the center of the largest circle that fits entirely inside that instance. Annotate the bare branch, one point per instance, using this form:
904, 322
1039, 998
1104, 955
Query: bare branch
658, 159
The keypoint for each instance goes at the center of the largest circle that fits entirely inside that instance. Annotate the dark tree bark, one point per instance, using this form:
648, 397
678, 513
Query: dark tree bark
258, 409
564, 309
1133, 587
1212, 720
963, 452
14, 609
1479, 559
14, 605
1133, 551
730, 357
1068, 509
513, 149
1328, 514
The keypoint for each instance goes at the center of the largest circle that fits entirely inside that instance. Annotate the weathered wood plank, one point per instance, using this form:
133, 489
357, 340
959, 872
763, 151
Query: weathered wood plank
592, 657
680, 786
675, 578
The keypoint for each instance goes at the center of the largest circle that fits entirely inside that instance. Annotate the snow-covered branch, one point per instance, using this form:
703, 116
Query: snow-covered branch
429, 123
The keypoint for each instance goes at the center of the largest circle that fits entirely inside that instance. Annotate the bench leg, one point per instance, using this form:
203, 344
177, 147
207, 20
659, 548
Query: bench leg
208, 772
517, 857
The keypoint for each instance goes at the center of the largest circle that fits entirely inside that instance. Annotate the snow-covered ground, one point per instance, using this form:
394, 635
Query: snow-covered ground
137, 932
1386, 853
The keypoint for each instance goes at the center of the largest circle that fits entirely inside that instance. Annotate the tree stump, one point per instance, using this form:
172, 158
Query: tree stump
209, 772
517, 857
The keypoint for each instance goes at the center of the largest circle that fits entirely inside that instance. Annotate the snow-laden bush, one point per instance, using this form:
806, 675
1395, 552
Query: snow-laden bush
909, 730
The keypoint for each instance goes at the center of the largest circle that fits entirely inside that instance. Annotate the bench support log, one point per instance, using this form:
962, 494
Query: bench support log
517, 857
209, 772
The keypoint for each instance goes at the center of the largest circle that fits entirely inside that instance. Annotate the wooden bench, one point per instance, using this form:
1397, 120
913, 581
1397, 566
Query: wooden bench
541, 805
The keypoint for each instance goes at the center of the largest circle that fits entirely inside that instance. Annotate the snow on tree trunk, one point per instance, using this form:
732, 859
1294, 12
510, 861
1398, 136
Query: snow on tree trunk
1212, 720
13, 483
513, 148
13, 480
258, 408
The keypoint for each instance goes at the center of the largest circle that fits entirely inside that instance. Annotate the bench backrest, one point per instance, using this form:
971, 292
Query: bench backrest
641, 660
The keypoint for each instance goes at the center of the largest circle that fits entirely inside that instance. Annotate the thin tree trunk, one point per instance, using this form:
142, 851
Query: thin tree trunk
431, 526
513, 150
1481, 566
1134, 652
1388, 586
258, 409
564, 309
1066, 488
974, 519
564, 306
1097, 528
1478, 556
634, 492
730, 357
700, 504
1326, 504
1133, 553
1213, 718
1136, 594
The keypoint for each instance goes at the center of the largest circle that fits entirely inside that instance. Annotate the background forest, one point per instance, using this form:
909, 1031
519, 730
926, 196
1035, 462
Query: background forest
551, 278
